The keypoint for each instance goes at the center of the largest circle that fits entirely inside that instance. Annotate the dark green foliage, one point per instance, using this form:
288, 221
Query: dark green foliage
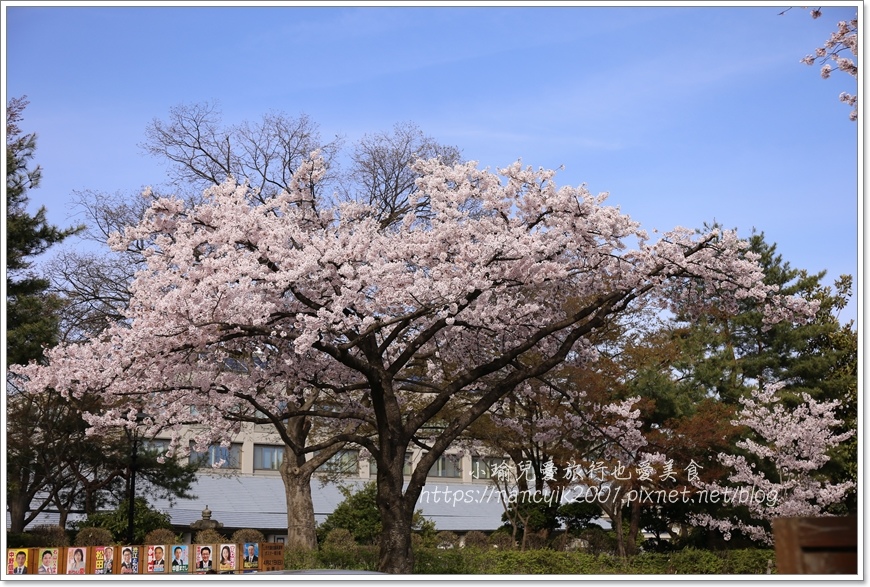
440, 561
144, 520
597, 540
748, 561
531, 518
298, 559
22, 540
493, 561
576, 516
31, 312
339, 551
77, 471
723, 357
697, 562
358, 514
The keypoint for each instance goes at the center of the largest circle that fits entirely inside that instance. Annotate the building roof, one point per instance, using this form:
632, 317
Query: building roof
259, 502
243, 501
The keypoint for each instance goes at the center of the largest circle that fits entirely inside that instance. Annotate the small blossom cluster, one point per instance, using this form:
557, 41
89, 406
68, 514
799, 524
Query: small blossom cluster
845, 38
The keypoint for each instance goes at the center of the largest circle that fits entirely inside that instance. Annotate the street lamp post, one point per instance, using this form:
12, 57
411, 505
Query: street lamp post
131, 497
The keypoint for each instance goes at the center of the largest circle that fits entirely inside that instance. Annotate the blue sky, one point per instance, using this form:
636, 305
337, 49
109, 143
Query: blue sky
685, 114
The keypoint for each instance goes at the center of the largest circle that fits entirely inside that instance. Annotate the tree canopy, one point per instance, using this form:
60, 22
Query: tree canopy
31, 313
246, 304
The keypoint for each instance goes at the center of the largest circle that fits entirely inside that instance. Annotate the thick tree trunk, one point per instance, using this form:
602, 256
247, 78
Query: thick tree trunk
395, 548
300, 508
397, 512
17, 512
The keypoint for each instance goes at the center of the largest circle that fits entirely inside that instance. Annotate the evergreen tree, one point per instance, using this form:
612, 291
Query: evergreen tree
30, 310
726, 357
47, 448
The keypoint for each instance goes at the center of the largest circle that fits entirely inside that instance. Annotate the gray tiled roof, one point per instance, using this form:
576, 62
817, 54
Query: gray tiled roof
239, 501
258, 502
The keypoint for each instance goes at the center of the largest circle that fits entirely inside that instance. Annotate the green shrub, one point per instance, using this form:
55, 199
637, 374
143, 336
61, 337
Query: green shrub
597, 540
649, 563
22, 540
298, 559
247, 535
501, 541
446, 539
358, 514
341, 553
209, 536
357, 557
691, 561
117, 521
160, 536
93, 537
535, 540
749, 561
50, 536
441, 561
533, 562
339, 550
476, 539
339, 538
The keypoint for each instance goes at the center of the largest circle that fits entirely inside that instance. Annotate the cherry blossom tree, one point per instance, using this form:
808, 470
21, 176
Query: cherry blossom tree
202, 151
247, 304
775, 477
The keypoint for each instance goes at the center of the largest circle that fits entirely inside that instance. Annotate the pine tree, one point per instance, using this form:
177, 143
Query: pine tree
31, 310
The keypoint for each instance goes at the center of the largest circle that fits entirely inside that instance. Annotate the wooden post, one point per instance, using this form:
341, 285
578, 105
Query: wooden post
826, 545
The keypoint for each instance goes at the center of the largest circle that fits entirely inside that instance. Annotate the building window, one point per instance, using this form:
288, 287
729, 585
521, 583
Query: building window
489, 467
344, 462
406, 470
447, 466
156, 446
268, 458
229, 457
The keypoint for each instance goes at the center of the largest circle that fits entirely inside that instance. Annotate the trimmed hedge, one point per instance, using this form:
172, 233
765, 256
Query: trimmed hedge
491, 561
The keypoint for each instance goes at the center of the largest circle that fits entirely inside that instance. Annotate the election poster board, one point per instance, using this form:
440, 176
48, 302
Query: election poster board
48, 561
18, 561
180, 559
228, 559
76, 560
204, 558
102, 560
155, 559
130, 560
250, 556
